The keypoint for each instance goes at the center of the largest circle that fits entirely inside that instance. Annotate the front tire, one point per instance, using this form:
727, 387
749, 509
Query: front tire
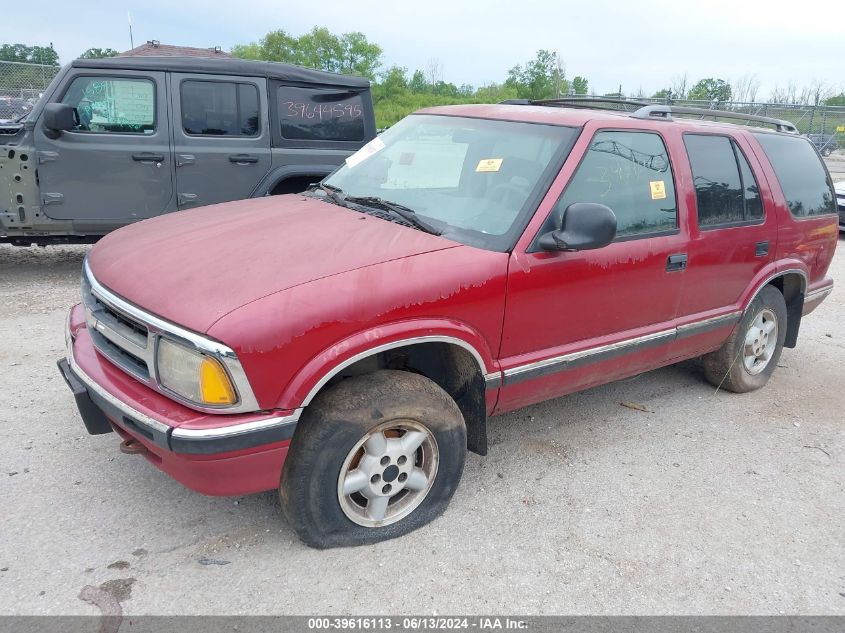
747, 359
374, 457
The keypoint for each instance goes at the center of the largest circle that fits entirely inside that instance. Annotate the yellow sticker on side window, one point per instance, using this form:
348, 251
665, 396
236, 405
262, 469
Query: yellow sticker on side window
489, 164
658, 189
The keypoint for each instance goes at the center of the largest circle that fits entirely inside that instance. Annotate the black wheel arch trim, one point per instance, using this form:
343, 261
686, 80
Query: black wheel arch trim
280, 174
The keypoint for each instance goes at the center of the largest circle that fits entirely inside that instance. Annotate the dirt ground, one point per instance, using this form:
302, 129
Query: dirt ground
705, 503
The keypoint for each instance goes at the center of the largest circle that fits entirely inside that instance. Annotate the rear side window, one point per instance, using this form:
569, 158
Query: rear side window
216, 108
320, 114
726, 191
801, 174
630, 173
113, 104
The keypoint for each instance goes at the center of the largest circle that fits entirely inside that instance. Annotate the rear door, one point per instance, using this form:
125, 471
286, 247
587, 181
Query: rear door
221, 137
733, 235
115, 166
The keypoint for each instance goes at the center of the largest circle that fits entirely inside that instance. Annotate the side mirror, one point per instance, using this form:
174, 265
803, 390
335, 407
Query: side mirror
584, 226
59, 117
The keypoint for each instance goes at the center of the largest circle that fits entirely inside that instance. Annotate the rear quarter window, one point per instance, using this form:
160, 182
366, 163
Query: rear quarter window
320, 114
803, 178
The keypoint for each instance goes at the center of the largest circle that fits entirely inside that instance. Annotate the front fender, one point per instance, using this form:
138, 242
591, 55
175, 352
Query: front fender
323, 366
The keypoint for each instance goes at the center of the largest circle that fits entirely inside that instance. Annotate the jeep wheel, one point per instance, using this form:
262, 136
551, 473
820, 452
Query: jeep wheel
747, 359
373, 458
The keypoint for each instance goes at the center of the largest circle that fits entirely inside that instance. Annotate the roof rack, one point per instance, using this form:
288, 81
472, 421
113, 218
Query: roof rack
666, 111
575, 102
655, 111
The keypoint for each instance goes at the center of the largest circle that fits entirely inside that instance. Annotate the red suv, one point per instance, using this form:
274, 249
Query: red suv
348, 345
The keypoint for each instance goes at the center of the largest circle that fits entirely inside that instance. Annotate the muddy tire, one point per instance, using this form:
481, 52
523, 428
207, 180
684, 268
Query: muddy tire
747, 359
373, 457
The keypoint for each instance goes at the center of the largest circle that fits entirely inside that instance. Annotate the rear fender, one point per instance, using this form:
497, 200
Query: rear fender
279, 174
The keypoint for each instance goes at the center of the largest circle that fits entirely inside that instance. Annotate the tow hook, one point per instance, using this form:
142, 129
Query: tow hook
132, 447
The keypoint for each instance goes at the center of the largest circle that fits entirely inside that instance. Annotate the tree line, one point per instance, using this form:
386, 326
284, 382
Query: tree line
397, 91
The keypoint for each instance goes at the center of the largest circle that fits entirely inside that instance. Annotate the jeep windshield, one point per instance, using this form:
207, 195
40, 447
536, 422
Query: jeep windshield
475, 181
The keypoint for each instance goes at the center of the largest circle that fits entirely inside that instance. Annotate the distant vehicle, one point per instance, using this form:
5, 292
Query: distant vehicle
840, 203
348, 345
825, 143
123, 139
13, 109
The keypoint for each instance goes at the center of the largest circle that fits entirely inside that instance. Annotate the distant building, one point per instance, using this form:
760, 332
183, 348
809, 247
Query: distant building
154, 48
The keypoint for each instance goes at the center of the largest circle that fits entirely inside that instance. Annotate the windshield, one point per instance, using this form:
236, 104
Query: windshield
475, 181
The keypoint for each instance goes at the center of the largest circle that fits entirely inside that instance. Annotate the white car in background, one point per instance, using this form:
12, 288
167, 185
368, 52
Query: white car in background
840, 203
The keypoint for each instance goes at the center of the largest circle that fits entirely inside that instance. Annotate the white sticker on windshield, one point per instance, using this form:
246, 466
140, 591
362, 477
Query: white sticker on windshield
374, 146
489, 164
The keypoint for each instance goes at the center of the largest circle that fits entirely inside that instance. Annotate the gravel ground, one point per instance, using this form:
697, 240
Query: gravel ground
836, 165
707, 503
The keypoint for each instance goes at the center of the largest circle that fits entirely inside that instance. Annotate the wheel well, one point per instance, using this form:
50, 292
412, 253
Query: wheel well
451, 367
791, 286
295, 184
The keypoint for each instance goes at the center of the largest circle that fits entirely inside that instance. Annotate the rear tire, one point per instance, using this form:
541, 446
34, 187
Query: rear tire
373, 457
747, 359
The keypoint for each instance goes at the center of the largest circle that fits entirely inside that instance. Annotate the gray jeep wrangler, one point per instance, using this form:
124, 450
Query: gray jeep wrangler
114, 141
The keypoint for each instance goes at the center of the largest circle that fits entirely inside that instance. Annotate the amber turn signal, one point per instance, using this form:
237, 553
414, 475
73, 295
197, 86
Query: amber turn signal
215, 386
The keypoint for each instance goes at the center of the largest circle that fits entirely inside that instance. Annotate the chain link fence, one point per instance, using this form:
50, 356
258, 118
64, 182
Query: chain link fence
824, 125
21, 86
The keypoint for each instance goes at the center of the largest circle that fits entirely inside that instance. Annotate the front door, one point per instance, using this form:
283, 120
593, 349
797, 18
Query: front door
114, 166
575, 319
221, 137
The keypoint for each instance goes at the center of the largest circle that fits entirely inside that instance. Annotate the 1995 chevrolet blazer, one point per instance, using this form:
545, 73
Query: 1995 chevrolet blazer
348, 345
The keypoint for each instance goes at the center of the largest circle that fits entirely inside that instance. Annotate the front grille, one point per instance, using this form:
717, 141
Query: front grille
127, 336
120, 357
121, 339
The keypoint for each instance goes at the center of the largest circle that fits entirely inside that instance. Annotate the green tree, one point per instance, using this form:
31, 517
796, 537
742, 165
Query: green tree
445, 89
394, 82
360, 56
45, 55
418, 84
99, 53
494, 93
541, 78
661, 94
836, 100
580, 85
349, 53
710, 89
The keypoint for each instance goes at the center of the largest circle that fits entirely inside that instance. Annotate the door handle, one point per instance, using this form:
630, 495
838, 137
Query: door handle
148, 157
676, 262
186, 198
761, 249
184, 159
242, 159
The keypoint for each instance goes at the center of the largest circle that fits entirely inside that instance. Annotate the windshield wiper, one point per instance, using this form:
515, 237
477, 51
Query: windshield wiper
335, 194
406, 213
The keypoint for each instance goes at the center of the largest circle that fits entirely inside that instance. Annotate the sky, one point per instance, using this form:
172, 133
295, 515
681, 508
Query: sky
636, 44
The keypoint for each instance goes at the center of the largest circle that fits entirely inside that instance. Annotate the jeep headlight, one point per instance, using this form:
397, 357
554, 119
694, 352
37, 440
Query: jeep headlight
193, 375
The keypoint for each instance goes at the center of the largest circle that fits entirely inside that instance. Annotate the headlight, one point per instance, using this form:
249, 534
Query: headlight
193, 375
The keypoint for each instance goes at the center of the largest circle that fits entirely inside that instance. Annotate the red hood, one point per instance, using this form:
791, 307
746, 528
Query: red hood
193, 267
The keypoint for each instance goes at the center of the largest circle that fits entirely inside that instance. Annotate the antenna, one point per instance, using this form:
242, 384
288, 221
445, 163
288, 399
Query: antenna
131, 39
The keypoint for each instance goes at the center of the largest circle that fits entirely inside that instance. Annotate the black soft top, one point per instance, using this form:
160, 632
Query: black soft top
226, 66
